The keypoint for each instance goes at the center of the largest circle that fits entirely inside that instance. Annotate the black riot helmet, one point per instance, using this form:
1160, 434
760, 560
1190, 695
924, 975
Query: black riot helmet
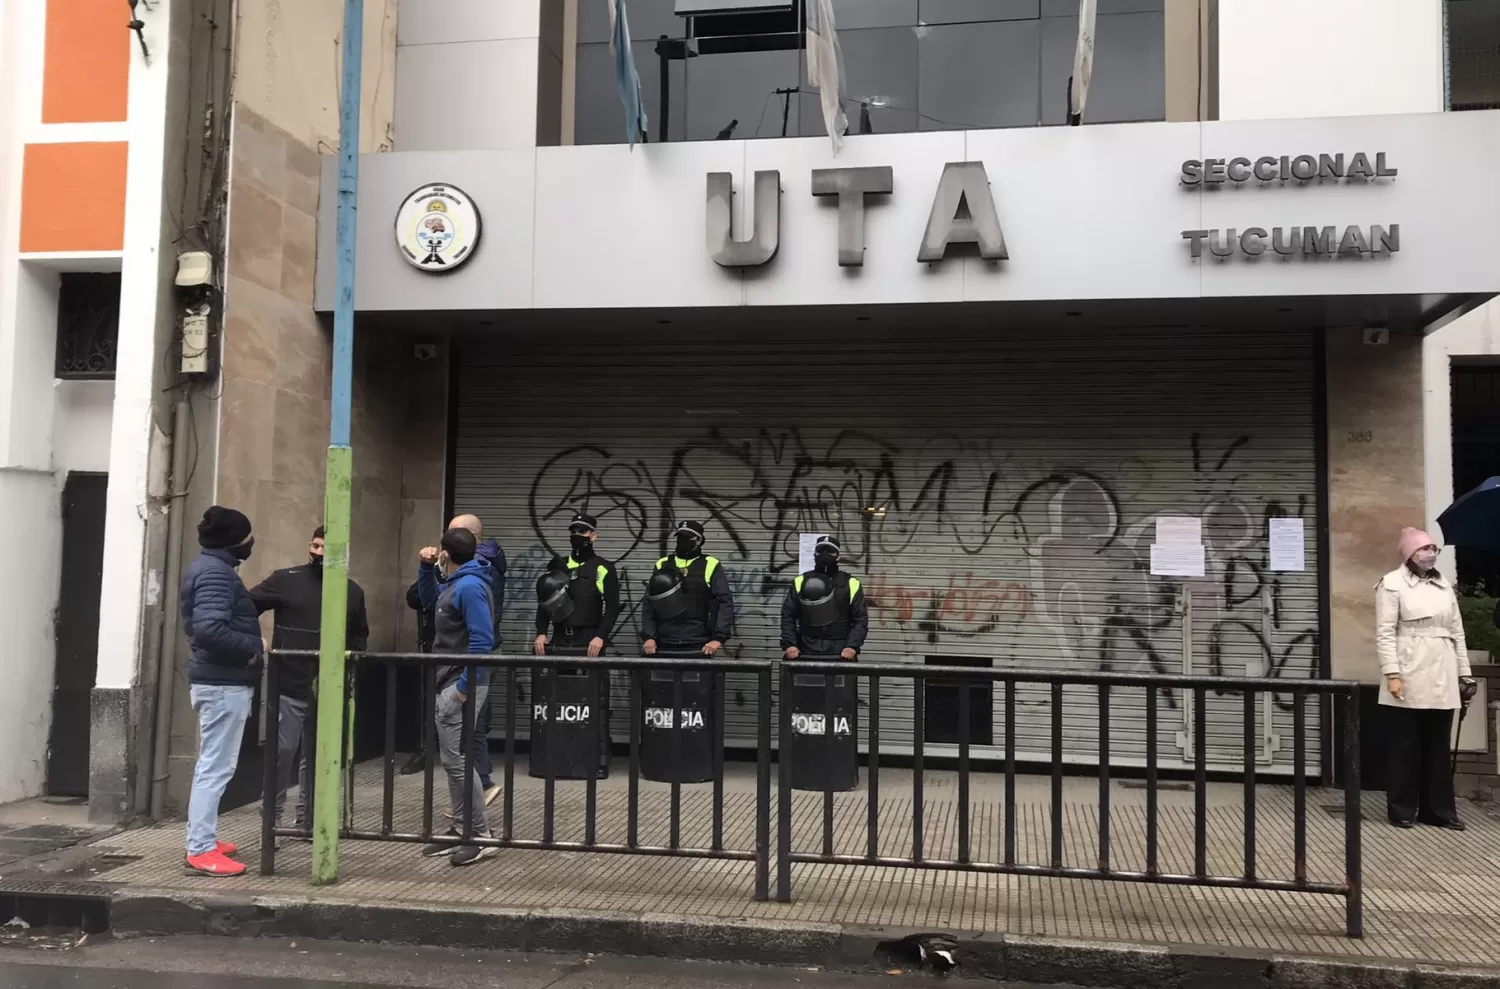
552, 595
815, 601
664, 590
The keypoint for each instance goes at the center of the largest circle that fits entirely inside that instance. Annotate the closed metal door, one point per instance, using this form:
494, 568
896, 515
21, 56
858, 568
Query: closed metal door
996, 490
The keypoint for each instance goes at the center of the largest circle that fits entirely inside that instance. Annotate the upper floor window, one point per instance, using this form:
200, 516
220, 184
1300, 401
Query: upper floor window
1472, 32
88, 324
909, 65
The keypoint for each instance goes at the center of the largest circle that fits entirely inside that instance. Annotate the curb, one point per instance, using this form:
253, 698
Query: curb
1002, 957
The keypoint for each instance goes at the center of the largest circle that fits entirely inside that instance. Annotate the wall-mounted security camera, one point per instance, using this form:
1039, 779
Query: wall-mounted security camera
1377, 335
425, 351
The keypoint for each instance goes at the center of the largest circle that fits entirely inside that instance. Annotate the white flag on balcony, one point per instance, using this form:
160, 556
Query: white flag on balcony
1083, 62
825, 68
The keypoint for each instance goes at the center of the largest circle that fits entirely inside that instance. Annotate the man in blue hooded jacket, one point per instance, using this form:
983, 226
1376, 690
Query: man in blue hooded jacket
464, 625
425, 594
222, 627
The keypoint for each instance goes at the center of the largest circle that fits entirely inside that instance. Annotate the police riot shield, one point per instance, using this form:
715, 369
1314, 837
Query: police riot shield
569, 722
824, 757
693, 753
665, 592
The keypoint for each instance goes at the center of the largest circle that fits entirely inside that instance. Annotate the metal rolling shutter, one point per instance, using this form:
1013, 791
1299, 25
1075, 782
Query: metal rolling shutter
994, 488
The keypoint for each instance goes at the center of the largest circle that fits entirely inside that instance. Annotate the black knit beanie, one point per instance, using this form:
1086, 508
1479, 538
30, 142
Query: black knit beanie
222, 528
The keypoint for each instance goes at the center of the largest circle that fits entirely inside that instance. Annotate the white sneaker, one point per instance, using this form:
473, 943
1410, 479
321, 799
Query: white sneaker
470, 854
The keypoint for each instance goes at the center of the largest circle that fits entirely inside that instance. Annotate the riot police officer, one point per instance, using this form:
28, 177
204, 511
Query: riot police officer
578, 599
688, 605
578, 595
824, 613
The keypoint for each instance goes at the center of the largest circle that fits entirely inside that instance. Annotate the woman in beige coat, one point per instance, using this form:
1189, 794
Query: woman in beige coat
1419, 639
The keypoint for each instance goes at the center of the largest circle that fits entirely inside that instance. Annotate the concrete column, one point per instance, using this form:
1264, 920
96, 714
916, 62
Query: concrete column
130, 619
497, 67
1375, 462
569, 70
1190, 50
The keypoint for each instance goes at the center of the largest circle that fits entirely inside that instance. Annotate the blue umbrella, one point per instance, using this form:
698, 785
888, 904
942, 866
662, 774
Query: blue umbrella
1474, 519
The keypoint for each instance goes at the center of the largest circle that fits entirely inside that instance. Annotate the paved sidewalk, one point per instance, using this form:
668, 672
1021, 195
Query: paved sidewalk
36, 834
1430, 895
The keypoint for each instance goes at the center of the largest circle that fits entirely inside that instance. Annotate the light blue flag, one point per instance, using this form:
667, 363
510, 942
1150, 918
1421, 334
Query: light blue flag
627, 80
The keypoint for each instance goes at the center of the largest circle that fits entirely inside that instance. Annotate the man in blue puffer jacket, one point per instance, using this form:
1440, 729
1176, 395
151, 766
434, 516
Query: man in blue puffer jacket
222, 626
465, 626
423, 598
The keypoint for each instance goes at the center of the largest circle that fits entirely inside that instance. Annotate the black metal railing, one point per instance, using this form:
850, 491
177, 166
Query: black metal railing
1342, 693
545, 672
831, 705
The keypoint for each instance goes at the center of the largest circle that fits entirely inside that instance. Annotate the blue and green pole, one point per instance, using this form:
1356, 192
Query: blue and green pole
336, 511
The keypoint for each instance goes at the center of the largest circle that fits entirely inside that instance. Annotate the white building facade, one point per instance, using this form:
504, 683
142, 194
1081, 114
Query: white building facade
1398, 56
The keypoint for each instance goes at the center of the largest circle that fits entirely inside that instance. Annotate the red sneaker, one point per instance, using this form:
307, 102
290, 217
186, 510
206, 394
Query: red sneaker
214, 863
226, 847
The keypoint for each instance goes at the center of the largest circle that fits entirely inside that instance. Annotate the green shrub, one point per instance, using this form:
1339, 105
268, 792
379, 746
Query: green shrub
1479, 624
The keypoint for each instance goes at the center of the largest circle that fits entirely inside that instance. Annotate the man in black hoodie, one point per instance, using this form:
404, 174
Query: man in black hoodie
295, 596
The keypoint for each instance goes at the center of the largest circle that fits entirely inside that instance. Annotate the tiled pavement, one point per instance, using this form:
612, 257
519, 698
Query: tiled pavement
1430, 895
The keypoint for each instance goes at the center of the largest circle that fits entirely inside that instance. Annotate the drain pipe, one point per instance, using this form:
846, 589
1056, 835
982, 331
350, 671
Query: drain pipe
166, 656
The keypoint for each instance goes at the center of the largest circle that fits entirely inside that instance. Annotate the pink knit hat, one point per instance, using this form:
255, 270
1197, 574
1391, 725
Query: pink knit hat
1413, 540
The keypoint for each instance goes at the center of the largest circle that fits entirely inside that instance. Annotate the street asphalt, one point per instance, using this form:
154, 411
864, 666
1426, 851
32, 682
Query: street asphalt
246, 963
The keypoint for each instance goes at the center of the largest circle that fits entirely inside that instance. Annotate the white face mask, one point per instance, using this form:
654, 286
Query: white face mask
1425, 558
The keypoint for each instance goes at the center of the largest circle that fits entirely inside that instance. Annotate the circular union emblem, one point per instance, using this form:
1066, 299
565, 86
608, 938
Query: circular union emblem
437, 228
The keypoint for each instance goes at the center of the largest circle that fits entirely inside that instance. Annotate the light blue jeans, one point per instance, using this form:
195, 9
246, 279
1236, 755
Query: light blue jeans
222, 713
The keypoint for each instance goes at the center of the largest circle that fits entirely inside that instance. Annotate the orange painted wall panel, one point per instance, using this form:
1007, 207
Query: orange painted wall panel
73, 197
87, 65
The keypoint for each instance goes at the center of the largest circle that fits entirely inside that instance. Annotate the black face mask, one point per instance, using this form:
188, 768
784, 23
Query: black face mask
315, 561
826, 562
583, 546
242, 551
687, 547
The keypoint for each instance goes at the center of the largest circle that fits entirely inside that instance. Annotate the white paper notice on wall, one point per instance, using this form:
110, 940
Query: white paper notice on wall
806, 550
1177, 560
1288, 545
1178, 529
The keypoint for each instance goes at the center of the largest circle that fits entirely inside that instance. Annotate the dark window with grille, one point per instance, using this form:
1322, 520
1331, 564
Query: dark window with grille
941, 711
1476, 457
88, 324
1472, 28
